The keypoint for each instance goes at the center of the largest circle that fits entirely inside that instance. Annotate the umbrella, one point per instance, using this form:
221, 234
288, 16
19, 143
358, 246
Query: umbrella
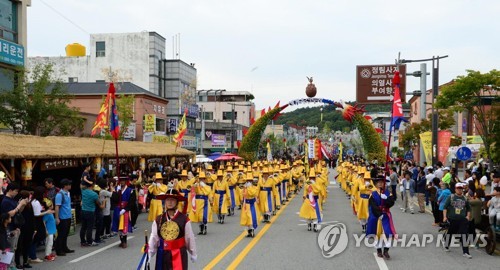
228, 156
214, 155
202, 159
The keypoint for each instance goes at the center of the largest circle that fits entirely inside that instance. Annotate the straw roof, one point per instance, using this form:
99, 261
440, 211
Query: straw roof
34, 147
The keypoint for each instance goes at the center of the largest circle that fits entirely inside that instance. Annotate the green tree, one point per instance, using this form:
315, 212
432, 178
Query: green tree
478, 94
40, 107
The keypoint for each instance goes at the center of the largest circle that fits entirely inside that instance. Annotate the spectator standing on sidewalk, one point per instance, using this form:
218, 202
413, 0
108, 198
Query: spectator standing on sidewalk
494, 209
429, 177
433, 190
443, 195
105, 198
476, 205
39, 213
439, 171
90, 200
5, 220
420, 189
408, 185
495, 183
394, 182
458, 212
447, 176
63, 218
50, 189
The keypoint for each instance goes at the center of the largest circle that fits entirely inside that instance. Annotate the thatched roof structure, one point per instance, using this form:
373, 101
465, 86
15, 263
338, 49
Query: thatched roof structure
34, 147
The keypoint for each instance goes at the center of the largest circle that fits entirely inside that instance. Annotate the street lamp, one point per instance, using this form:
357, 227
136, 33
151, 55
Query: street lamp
422, 74
435, 92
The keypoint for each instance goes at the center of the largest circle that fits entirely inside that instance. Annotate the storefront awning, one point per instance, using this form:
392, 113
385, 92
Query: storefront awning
34, 147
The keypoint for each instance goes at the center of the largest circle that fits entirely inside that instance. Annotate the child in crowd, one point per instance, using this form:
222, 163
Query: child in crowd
50, 227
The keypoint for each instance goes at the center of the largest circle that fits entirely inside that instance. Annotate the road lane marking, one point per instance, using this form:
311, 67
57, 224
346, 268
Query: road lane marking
223, 253
97, 251
380, 262
255, 240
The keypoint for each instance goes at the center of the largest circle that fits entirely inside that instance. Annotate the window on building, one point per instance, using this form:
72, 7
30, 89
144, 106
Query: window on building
227, 115
8, 20
6, 79
100, 49
208, 116
73, 79
160, 124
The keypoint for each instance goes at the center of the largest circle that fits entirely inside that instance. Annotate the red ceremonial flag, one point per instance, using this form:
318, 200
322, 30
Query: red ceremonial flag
397, 106
181, 130
103, 118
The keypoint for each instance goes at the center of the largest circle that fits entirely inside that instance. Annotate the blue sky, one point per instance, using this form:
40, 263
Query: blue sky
269, 47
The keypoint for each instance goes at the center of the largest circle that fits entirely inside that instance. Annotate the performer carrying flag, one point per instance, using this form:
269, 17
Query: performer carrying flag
181, 130
104, 118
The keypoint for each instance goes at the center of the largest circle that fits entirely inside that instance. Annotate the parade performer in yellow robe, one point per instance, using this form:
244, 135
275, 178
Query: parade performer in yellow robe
322, 183
156, 189
355, 183
311, 208
365, 190
266, 198
250, 210
277, 188
221, 197
240, 183
340, 176
211, 176
184, 187
200, 199
284, 183
296, 177
232, 180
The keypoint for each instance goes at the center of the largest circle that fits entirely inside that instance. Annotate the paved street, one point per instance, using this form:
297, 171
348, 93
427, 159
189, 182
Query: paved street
285, 244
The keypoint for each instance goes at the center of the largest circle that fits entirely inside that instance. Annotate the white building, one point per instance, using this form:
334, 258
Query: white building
135, 57
139, 58
218, 105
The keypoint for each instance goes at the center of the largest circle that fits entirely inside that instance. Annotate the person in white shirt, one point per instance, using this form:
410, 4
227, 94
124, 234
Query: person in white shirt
429, 176
439, 172
428, 179
467, 176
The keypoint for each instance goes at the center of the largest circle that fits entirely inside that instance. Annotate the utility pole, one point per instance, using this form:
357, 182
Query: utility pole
232, 127
435, 92
423, 98
202, 135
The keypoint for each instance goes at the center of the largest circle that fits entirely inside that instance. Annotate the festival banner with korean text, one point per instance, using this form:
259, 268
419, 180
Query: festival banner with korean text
444, 139
426, 141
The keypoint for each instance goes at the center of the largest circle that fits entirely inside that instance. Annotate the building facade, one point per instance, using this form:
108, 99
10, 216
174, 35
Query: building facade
13, 40
139, 58
216, 110
149, 110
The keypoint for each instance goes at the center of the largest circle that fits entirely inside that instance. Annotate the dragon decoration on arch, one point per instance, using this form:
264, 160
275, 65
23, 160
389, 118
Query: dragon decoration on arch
372, 141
